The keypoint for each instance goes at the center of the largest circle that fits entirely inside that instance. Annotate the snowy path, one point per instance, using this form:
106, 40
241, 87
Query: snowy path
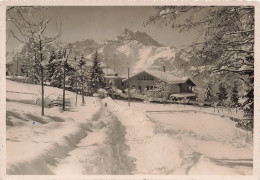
102, 151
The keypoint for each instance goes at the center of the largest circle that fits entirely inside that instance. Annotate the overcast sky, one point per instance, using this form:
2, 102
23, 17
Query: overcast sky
104, 23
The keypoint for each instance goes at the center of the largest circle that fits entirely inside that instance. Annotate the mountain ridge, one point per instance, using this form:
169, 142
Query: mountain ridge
135, 50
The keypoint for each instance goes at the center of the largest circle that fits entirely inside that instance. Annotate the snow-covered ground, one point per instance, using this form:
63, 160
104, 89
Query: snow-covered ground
232, 112
108, 137
35, 142
86, 139
183, 143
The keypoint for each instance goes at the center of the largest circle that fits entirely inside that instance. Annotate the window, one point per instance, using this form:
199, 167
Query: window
122, 83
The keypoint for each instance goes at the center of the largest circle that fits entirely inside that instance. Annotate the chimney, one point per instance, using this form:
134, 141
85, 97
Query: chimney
163, 68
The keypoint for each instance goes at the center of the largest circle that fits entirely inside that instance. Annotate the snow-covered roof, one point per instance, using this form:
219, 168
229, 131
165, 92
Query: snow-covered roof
164, 76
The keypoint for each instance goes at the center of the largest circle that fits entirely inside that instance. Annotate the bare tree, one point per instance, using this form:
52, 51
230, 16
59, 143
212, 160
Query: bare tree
32, 33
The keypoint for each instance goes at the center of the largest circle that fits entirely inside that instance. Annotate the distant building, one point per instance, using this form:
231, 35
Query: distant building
147, 80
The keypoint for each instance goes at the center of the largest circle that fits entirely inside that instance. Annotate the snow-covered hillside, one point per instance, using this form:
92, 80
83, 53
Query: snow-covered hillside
33, 141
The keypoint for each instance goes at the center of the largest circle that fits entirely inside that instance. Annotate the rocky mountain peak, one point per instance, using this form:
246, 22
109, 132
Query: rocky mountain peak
142, 37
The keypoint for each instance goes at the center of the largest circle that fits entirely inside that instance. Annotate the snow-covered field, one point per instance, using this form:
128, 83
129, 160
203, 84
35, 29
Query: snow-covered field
108, 137
184, 143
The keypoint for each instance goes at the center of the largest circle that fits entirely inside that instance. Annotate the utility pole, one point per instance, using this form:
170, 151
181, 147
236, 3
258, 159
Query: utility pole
64, 78
42, 85
76, 103
17, 66
75, 69
114, 58
114, 65
128, 88
82, 79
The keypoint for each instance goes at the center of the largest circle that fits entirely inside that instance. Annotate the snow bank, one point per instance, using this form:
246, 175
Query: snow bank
53, 141
34, 143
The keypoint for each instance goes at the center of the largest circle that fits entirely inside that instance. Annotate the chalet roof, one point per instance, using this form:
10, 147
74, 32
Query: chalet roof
164, 76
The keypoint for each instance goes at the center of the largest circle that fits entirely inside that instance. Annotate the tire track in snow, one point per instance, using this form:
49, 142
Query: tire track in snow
102, 151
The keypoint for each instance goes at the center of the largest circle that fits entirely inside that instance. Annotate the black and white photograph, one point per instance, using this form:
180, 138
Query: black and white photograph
130, 90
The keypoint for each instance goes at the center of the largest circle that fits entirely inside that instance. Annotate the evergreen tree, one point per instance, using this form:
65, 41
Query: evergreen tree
50, 66
82, 76
73, 78
33, 73
222, 95
208, 96
96, 75
248, 105
32, 70
66, 69
234, 95
57, 74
